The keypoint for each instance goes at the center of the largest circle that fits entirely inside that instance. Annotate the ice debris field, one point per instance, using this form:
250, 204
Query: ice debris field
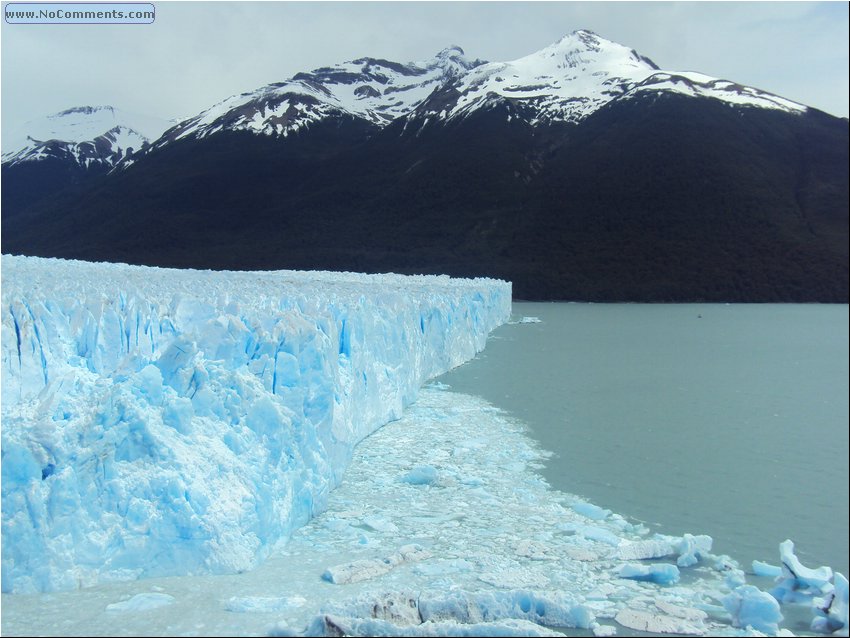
168, 435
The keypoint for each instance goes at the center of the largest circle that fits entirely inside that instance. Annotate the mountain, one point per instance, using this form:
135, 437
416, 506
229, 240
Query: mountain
375, 91
48, 154
574, 77
79, 126
581, 171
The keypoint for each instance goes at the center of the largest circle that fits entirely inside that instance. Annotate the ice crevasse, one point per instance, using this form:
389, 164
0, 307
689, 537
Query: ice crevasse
161, 422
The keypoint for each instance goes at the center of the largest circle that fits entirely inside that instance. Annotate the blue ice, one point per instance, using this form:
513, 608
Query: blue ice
162, 422
659, 573
751, 607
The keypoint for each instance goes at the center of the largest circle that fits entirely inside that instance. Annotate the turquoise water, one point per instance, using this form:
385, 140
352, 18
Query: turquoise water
727, 420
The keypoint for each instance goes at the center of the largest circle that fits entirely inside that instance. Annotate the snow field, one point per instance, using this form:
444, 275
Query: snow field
162, 422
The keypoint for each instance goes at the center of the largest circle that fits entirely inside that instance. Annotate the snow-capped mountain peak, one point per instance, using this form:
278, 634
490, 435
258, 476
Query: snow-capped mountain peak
573, 77
372, 89
583, 49
563, 82
89, 135
453, 61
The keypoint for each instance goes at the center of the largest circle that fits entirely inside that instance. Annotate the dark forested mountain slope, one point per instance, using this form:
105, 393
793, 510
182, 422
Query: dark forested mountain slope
635, 184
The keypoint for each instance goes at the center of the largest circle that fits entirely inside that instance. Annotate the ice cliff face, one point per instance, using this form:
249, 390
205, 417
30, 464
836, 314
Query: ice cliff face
161, 422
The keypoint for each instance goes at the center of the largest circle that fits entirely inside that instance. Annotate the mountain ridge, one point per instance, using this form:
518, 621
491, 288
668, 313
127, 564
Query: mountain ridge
311, 96
644, 185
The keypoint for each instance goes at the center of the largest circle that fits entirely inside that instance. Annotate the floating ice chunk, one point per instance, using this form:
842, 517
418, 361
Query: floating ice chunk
356, 571
734, 576
604, 630
535, 550
811, 577
263, 604
142, 602
723, 563
831, 610
751, 607
582, 554
641, 550
380, 524
766, 569
591, 511
691, 548
412, 552
401, 608
282, 628
444, 567
514, 579
421, 475
555, 609
592, 532
660, 573
603, 592
360, 570
688, 613
530, 320
800, 583
656, 623
459, 613
331, 625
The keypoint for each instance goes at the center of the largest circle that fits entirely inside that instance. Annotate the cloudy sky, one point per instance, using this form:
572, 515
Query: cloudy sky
198, 53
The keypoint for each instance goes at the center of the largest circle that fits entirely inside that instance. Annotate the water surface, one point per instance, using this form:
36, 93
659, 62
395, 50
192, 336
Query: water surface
727, 420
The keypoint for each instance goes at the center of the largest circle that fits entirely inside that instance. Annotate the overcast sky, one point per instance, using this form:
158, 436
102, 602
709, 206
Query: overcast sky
198, 53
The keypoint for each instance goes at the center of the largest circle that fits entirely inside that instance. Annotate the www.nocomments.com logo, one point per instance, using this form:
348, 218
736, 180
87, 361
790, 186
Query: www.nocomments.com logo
79, 13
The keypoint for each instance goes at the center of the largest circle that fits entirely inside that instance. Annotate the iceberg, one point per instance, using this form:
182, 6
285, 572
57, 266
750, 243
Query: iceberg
761, 568
824, 590
831, 610
687, 549
142, 602
797, 582
502, 613
367, 569
163, 422
656, 623
751, 607
591, 511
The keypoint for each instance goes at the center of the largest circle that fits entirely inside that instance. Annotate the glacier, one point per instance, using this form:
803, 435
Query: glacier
162, 422
179, 438
488, 548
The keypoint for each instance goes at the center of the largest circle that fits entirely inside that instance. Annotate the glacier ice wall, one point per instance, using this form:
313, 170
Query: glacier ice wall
160, 422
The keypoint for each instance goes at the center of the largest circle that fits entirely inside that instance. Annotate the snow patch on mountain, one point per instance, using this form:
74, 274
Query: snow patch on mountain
572, 78
87, 135
564, 82
371, 89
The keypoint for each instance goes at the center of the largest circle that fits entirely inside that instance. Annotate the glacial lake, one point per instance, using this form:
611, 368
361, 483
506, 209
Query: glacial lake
726, 420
